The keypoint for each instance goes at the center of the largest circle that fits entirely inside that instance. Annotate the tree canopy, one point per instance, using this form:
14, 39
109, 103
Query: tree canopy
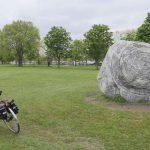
20, 38
98, 39
143, 32
77, 50
57, 41
130, 35
20, 41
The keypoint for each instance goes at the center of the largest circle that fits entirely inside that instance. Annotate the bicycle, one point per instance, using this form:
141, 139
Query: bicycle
8, 113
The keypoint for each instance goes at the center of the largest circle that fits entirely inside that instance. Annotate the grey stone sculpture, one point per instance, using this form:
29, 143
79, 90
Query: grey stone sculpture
125, 71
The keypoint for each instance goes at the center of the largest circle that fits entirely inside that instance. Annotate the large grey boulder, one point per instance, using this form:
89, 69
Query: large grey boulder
125, 71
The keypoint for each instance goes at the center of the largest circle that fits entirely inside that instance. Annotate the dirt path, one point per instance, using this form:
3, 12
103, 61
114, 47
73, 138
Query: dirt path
138, 107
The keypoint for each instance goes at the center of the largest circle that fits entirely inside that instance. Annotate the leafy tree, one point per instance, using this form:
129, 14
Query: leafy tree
57, 41
21, 38
130, 35
98, 39
5, 55
33, 54
1, 47
85, 52
77, 50
143, 32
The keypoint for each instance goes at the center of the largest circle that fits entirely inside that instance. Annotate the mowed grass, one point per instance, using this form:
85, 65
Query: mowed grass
55, 114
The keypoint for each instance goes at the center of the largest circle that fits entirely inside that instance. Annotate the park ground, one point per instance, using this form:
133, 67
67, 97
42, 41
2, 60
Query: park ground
63, 109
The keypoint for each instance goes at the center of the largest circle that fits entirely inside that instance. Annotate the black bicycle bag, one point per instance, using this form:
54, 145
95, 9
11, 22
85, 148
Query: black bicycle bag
3, 112
14, 107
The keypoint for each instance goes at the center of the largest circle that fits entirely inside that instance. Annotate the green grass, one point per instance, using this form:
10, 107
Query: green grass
55, 115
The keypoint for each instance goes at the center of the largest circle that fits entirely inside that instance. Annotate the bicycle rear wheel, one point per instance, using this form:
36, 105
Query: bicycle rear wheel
12, 122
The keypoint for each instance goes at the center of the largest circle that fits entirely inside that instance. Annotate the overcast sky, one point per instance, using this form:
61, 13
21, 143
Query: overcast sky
77, 16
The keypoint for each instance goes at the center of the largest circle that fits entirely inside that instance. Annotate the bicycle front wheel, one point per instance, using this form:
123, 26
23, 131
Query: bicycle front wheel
12, 121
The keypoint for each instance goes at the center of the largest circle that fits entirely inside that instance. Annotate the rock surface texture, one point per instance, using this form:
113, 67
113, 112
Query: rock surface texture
125, 71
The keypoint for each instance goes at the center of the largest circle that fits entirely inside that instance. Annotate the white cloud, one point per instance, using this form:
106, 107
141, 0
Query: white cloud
77, 16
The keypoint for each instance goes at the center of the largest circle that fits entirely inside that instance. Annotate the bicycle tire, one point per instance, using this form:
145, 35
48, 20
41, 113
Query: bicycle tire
12, 124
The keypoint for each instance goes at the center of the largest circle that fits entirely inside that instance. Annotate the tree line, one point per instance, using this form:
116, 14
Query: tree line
20, 41
140, 34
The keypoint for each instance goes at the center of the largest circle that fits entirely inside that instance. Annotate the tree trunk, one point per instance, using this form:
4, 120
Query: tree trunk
38, 61
75, 62
58, 63
20, 57
16, 62
86, 62
82, 63
20, 62
97, 64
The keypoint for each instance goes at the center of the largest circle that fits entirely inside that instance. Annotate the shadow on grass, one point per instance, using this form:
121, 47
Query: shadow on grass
99, 96
121, 100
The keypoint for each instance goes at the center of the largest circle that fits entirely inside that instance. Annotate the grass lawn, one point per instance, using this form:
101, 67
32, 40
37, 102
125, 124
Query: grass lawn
63, 109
